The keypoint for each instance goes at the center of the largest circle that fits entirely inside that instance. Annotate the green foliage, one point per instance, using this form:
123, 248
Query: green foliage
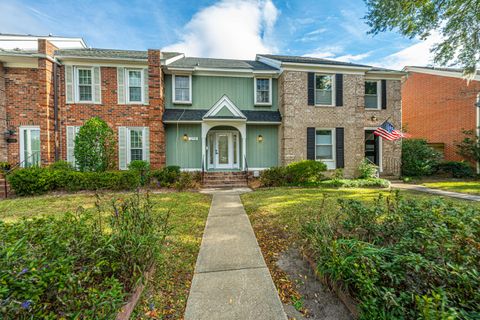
470, 146
401, 259
78, 266
186, 180
355, 183
34, 180
418, 159
94, 146
456, 169
301, 173
61, 165
142, 168
5, 166
367, 170
457, 21
167, 176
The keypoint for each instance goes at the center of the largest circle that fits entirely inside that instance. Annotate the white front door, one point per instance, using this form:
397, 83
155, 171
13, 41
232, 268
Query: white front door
225, 150
29, 146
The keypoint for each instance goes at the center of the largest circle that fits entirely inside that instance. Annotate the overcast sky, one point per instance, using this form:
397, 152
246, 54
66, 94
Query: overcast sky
225, 29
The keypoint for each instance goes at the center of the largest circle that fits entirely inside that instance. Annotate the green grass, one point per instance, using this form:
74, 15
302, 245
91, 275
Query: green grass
470, 187
168, 290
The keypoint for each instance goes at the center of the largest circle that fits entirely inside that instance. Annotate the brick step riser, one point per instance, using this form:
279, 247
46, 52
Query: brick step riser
224, 179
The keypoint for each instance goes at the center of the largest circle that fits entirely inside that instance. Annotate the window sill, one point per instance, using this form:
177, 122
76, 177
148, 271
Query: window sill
324, 105
372, 109
182, 102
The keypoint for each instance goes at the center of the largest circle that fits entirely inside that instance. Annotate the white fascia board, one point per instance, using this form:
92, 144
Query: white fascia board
290, 65
104, 62
442, 73
271, 62
276, 123
382, 75
16, 61
173, 59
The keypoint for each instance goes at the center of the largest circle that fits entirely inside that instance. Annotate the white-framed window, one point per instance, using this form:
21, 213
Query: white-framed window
72, 132
325, 146
136, 144
373, 95
135, 85
263, 91
182, 88
84, 84
324, 89
29, 146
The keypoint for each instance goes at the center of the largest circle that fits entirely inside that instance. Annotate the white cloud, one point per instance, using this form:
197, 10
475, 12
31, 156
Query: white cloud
418, 54
328, 52
353, 57
229, 29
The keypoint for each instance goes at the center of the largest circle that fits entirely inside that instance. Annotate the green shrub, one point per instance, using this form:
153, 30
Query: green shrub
367, 170
456, 169
305, 172
31, 181
186, 180
167, 176
142, 168
418, 159
94, 146
78, 266
274, 177
355, 183
61, 165
401, 259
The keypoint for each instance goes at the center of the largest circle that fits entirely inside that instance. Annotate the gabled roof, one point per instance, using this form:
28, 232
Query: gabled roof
224, 108
111, 54
211, 63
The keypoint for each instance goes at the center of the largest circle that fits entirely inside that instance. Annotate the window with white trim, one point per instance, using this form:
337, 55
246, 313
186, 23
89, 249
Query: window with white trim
85, 84
324, 89
182, 89
136, 144
372, 94
135, 84
263, 91
324, 144
29, 146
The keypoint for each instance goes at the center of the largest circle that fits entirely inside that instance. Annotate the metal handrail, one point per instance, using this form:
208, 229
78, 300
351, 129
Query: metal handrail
246, 169
376, 166
16, 166
203, 170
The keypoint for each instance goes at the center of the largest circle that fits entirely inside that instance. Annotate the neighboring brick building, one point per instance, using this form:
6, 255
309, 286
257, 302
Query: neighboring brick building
438, 104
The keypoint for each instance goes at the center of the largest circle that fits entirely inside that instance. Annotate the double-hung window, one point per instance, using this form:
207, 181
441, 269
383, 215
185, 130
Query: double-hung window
136, 144
324, 144
182, 89
134, 86
372, 95
263, 91
324, 89
85, 84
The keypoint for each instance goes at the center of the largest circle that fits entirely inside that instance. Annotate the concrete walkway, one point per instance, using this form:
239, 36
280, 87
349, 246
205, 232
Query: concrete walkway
438, 192
231, 279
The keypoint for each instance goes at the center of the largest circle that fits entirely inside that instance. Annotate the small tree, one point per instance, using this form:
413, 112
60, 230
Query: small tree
94, 146
470, 146
418, 158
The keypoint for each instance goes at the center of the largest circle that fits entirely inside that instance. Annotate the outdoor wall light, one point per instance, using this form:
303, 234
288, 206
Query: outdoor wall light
185, 137
260, 138
373, 118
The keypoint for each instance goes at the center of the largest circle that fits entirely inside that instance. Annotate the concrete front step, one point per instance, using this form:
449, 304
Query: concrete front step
224, 179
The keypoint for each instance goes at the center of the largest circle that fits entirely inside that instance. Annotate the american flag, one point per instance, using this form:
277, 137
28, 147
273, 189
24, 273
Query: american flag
387, 131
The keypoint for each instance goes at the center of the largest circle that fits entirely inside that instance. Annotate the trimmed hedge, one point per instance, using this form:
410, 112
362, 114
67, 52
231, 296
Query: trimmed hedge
301, 173
355, 183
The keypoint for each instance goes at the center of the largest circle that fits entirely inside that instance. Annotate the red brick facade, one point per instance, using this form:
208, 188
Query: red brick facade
438, 108
29, 100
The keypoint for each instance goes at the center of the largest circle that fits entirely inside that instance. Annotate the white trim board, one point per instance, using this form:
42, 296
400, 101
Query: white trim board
442, 73
224, 102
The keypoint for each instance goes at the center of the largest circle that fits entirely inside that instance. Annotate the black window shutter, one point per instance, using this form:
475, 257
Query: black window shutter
311, 143
311, 89
339, 90
384, 94
340, 147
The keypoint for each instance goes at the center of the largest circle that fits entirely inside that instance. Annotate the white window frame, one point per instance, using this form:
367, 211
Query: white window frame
332, 161
127, 86
22, 144
190, 89
77, 84
333, 90
129, 143
257, 103
379, 95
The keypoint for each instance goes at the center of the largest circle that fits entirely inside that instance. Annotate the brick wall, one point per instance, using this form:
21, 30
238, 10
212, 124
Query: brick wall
3, 116
437, 108
298, 116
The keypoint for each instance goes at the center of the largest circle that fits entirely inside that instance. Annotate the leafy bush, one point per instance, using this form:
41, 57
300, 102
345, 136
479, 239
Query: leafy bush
355, 183
94, 146
143, 170
167, 176
367, 170
301, 173
34, 180
401, 259
186, 180
469, 147
274, 177
418, 159
456, 169
61, 165
80, 265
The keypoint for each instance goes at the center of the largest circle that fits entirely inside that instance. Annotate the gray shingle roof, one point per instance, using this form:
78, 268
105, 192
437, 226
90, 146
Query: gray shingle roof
197, 115
18, 52
310, 60
110, 53
191, 62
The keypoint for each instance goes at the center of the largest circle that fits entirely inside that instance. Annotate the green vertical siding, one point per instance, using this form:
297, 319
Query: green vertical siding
262, 154
186, 154
207, 90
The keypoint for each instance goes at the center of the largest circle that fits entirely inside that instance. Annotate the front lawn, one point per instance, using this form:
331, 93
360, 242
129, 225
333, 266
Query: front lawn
470, 187
166, 292
407, 259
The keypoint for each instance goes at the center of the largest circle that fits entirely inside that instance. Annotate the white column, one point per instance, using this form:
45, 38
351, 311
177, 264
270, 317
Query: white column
205, 129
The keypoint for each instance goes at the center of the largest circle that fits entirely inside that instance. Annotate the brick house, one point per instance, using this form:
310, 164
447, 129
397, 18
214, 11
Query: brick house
198, 113
438, 104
